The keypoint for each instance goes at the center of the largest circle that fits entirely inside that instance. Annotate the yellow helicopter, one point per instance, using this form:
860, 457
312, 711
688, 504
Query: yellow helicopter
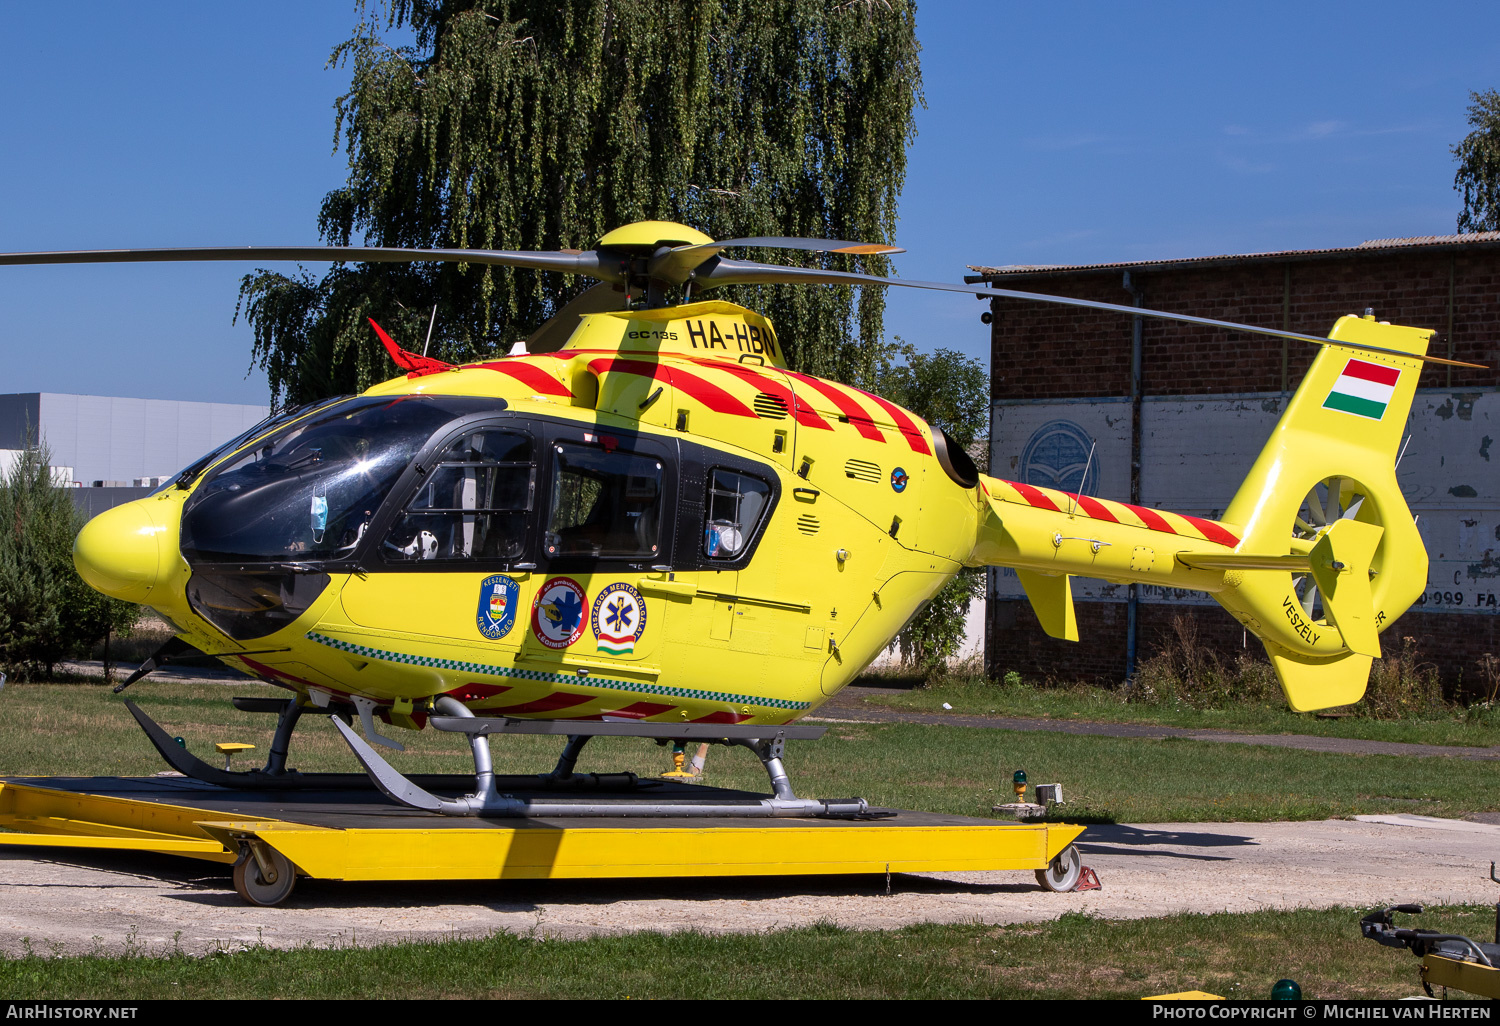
646, 524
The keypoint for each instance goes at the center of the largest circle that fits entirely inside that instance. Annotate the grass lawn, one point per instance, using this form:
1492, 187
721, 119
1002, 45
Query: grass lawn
1237, 956
1474, 726
80, 729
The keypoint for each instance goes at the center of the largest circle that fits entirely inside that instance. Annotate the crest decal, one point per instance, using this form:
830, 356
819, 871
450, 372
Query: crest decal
557, 612
497, 606
619, 619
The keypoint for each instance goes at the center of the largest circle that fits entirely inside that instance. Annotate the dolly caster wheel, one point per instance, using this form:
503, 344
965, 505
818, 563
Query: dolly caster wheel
1062, 873
261, 888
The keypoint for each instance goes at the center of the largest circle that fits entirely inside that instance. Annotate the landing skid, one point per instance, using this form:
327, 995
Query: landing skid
491, 796
276, 777
490, 800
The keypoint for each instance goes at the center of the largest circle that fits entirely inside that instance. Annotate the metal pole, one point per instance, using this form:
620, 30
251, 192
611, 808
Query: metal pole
1137, 327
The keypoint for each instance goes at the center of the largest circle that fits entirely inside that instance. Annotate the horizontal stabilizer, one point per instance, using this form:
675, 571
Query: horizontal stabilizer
1051, 599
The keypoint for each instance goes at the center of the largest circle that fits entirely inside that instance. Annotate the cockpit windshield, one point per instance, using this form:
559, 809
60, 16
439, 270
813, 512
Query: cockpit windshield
275, 420
311, 490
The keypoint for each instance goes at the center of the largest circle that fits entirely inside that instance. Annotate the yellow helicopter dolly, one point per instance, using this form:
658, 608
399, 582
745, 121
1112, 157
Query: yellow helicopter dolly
647, 525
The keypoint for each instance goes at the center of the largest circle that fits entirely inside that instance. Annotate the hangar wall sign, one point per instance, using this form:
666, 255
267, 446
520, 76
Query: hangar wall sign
1195, 451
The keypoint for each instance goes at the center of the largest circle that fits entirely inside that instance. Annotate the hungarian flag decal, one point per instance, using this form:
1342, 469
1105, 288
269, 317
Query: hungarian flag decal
1363, 389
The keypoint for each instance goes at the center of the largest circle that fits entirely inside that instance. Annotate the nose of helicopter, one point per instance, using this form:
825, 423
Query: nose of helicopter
119, 552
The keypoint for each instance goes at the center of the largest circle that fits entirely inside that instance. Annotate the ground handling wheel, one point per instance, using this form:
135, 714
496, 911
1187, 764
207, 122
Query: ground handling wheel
267, 885
1062, 873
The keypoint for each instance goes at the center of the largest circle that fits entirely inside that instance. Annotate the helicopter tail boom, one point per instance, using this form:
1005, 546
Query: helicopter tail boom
1316, 554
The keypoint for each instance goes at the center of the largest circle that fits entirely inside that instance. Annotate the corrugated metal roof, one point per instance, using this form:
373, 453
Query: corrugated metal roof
1472, 239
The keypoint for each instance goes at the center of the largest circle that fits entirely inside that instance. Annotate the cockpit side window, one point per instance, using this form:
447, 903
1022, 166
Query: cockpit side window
605, 505
733, 509
473, 504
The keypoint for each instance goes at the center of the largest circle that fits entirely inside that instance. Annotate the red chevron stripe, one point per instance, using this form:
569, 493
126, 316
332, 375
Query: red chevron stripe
645, 368
709, 394
548, 703
804, 414
640, 710
1213, 531
706, 392
1152, 519
474, 692
1033, 496
857, 414
531, 376
1094, 508
904, 424
723, 717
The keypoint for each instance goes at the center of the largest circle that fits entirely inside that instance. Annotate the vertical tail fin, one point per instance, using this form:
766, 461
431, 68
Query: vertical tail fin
1329, 462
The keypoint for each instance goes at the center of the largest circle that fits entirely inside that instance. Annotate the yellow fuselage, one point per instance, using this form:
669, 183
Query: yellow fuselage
844, 559
860, 513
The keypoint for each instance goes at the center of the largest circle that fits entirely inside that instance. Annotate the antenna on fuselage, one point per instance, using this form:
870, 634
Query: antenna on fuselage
1083, 481
430, 322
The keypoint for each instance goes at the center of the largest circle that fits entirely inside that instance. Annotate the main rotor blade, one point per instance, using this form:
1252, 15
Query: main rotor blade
676, 264
738, 272
588, 262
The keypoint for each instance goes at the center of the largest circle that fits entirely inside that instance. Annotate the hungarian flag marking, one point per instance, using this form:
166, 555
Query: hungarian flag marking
1363, 389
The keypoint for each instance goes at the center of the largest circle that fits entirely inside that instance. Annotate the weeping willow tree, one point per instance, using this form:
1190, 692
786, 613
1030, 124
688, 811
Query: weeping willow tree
543, 124
1478, 156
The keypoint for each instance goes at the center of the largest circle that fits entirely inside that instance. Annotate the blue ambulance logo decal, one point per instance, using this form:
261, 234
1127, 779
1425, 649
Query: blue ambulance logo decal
619, 619
557, 612
497, 606
899, 479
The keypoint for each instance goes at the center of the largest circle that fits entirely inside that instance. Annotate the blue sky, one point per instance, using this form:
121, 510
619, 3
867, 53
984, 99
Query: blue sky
1061, 133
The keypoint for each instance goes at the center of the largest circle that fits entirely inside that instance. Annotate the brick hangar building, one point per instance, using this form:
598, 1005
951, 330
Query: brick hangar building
1172, 415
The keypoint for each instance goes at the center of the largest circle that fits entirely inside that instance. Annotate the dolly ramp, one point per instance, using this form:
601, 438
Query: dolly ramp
343, 836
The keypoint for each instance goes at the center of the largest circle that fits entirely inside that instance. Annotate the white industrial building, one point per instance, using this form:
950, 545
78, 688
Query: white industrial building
113, 449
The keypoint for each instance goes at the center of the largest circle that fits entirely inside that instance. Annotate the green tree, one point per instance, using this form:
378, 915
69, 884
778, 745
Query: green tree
543, 124
47, 612
951, 391
1478, 156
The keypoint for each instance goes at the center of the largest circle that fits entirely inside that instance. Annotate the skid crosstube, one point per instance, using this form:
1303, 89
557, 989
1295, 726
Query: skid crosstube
358, 836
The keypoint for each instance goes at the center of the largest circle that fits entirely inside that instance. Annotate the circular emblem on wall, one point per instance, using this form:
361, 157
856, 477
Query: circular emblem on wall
557, 612
497, 606
899, 479
1057, 456
619, 619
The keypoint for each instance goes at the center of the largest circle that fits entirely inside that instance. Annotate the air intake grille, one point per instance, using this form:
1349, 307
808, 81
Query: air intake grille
863, 470
771, 406
807, 524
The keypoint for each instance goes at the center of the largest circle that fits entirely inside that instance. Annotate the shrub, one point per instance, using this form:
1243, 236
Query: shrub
1402, 686
1187, 672
47, 612
934, 634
